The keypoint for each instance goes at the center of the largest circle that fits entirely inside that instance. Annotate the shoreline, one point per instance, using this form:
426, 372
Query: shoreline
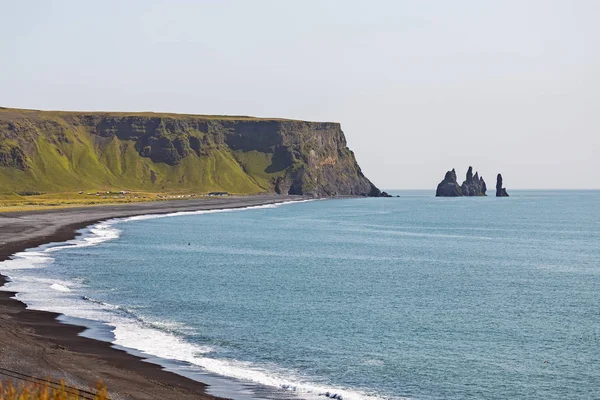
37, 344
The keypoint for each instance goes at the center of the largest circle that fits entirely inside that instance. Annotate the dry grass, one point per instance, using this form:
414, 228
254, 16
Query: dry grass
63, 200
14, 203
49, 391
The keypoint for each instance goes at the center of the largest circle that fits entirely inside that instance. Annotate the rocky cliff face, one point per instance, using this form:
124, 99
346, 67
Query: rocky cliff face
449, 187
474, 185
55, 151
500, 191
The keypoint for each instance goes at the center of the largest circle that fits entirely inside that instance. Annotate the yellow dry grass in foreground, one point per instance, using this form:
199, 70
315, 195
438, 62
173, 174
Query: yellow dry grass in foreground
14, 203
47, 391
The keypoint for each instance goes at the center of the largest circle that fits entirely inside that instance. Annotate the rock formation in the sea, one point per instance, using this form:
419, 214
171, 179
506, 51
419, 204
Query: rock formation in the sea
473, 185
500, 191
449, 187
61, 151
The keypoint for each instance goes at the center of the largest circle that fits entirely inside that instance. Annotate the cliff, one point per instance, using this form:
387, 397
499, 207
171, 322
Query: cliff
54, 151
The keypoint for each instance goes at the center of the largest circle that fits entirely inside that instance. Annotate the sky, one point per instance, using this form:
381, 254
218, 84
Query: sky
420, 87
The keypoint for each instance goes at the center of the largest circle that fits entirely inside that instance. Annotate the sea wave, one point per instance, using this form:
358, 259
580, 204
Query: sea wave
162, 339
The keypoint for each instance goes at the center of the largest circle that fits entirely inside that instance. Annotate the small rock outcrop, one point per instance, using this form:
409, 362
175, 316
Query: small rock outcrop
473, 185
500, 191
449, 187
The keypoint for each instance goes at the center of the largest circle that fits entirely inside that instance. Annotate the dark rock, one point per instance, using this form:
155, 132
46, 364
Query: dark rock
12, 157
449, 187
500, 191
473, 185
374, 192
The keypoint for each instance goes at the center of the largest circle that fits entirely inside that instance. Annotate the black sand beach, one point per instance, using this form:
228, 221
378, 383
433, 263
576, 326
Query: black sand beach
35, 345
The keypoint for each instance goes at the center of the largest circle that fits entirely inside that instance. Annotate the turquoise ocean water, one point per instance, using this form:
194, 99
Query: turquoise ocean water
411, 297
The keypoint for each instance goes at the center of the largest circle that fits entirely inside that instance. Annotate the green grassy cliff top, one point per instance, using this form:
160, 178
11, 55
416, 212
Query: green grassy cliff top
7, 112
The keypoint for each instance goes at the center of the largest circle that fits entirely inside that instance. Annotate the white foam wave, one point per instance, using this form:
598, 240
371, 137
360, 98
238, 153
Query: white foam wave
98, 233
26, 260
155, 342
41, 257
60, 288
279, 378
164, 340
200, 212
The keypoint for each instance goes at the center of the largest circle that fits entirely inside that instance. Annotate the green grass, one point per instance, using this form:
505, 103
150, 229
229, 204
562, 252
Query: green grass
68, 157
118, 166
257, 164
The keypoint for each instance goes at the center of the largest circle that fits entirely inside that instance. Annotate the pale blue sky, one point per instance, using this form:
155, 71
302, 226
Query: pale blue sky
418, 86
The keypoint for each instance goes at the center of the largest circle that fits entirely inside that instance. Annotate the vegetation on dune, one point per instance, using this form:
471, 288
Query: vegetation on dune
50, 391
56, 151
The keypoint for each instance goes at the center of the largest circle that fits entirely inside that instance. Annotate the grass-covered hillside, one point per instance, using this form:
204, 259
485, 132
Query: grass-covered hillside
55, 151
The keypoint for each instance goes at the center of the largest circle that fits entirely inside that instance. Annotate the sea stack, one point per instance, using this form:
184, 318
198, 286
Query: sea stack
449, 187
500, 191
473, 185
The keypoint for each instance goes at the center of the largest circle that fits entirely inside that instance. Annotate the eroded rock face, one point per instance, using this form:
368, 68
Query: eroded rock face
473, 185
500, 191
12, 157
449, 187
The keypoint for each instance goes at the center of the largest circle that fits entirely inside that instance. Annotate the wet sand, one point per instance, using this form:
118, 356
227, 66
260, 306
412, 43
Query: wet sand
34, 344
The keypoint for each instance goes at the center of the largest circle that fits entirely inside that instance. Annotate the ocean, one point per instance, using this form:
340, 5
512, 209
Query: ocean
372, 298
